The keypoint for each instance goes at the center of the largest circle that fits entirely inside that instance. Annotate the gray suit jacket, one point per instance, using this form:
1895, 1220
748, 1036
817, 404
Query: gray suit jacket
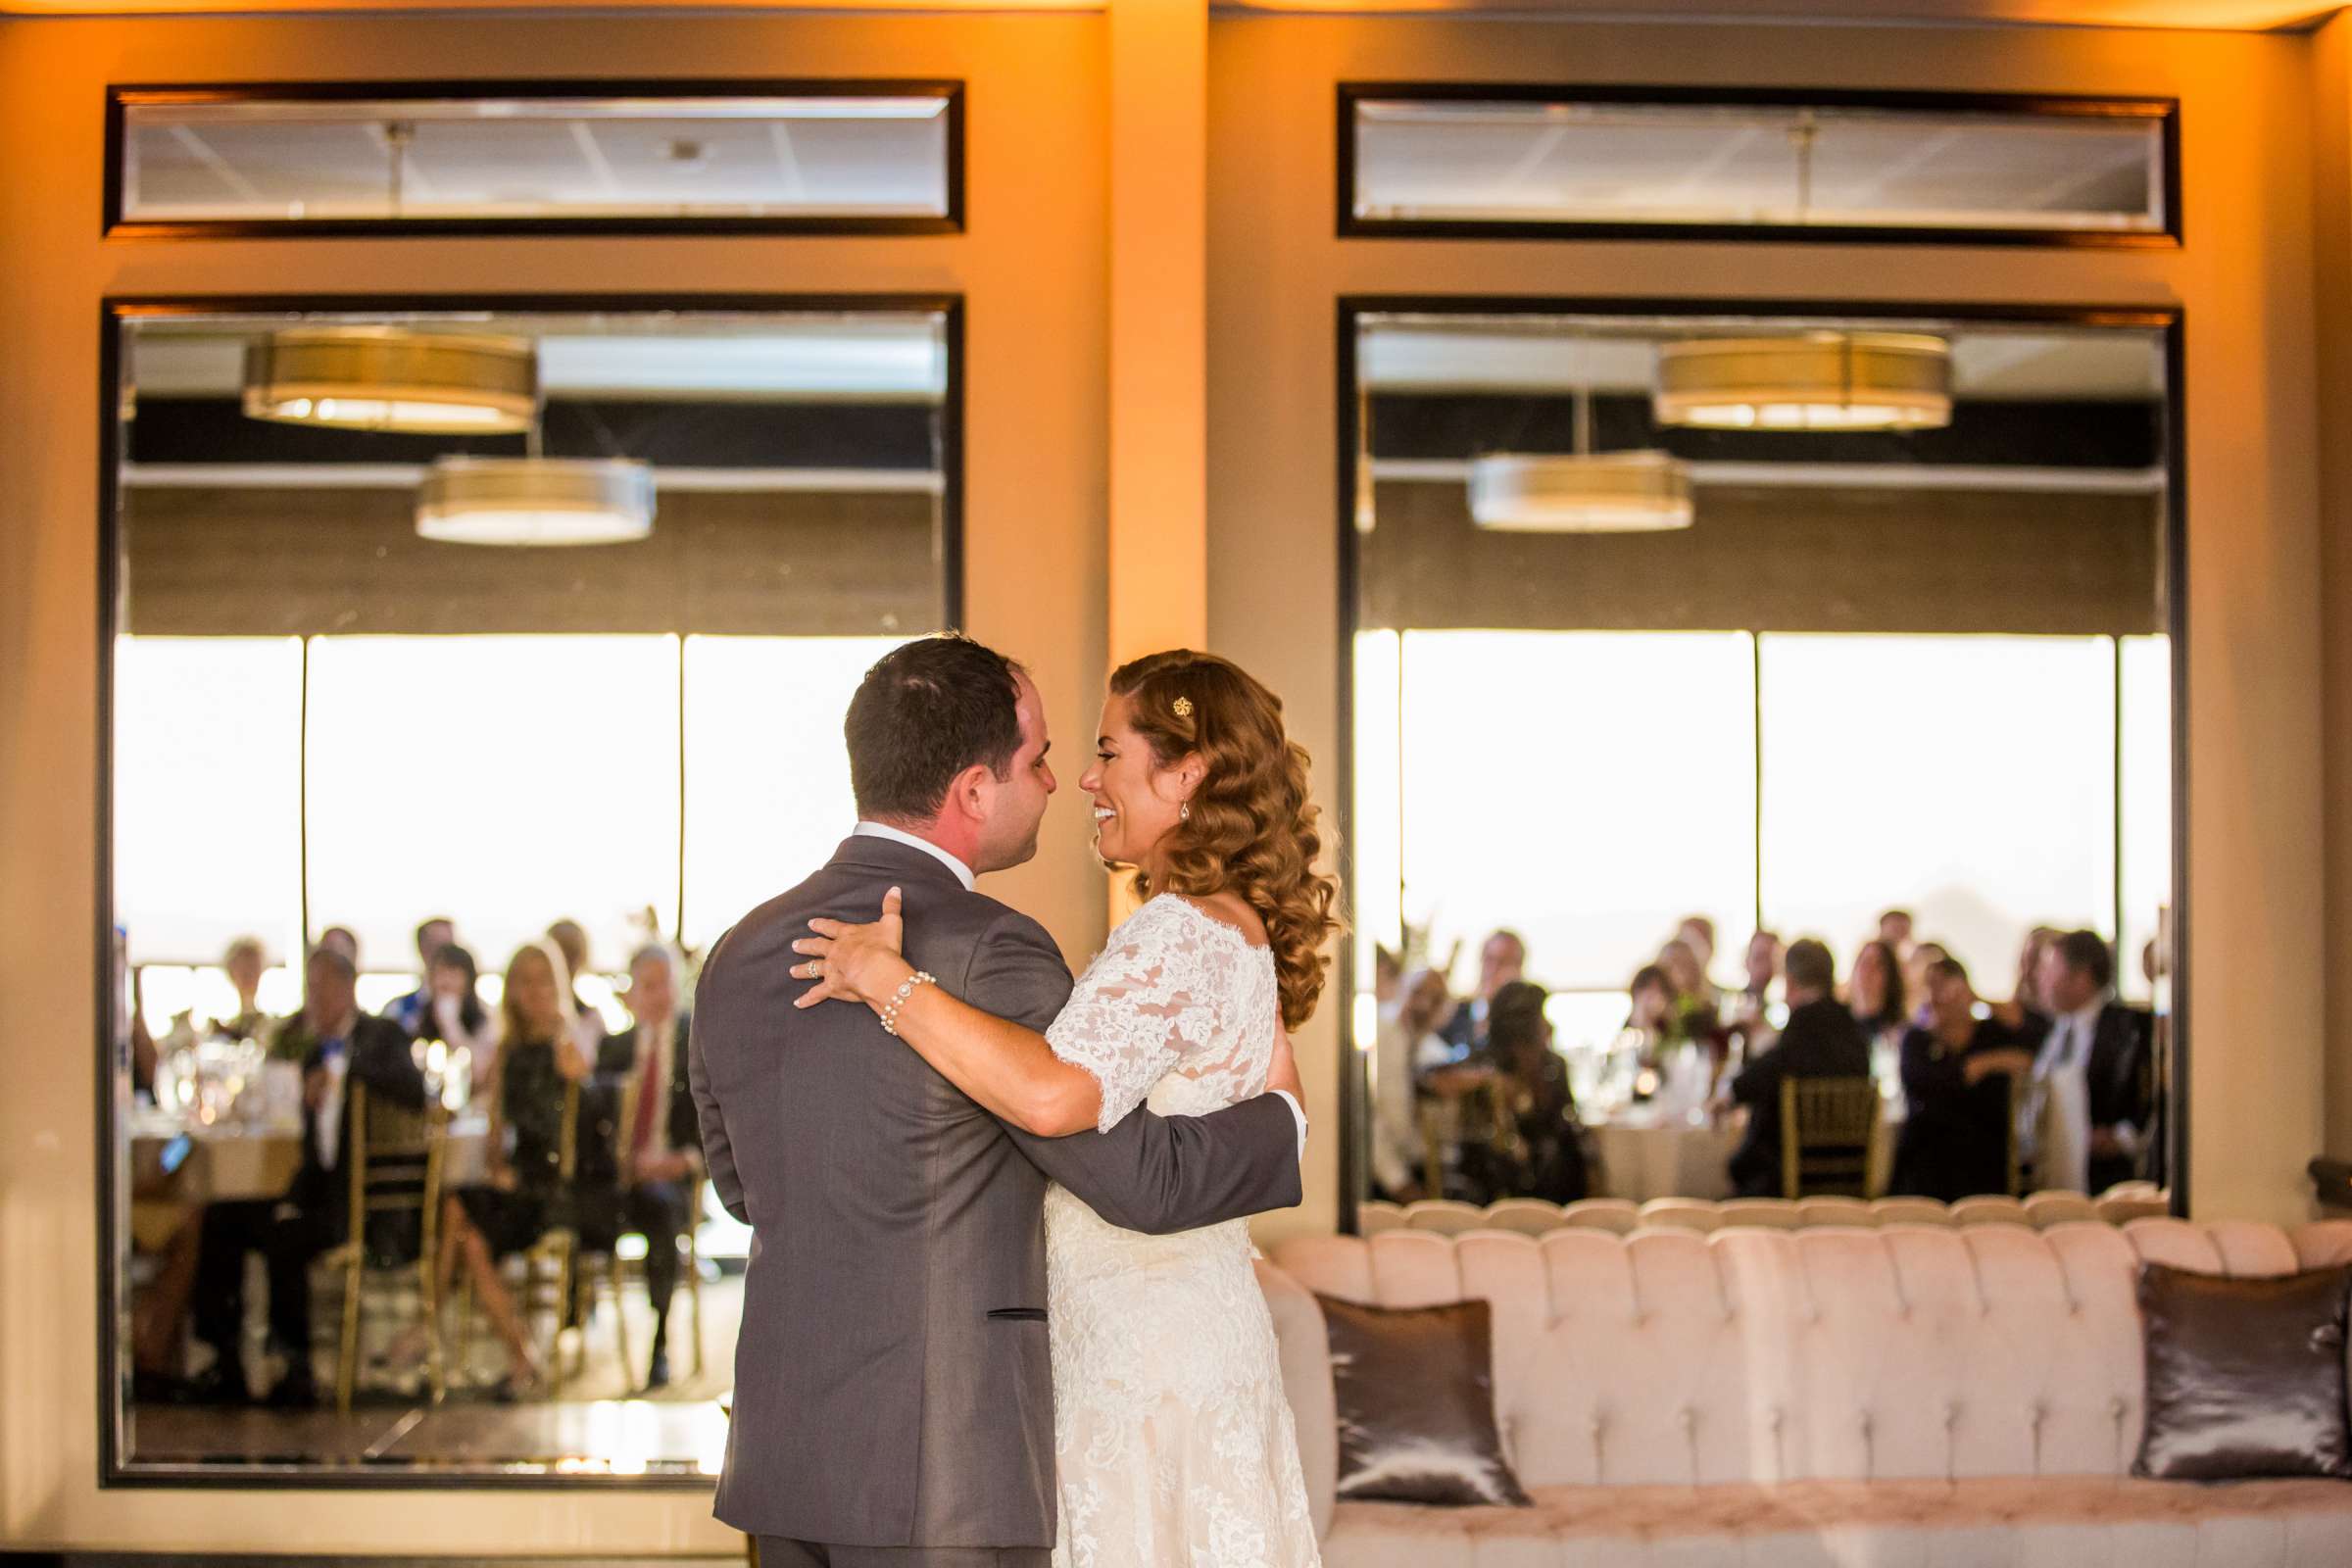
892, 1386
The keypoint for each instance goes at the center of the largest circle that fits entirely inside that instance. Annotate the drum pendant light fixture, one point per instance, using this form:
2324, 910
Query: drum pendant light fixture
536, 500
388, 378
1644, 491
1811, 381
1608, 492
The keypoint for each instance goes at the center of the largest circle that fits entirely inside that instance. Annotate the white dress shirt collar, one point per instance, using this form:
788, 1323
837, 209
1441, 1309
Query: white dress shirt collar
883, 830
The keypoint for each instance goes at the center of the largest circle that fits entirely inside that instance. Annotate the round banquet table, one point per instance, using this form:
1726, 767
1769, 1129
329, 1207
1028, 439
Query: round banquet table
1644, 1156
235, 1159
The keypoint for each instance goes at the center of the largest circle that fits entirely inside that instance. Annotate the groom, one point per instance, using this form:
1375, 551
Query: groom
894, 1398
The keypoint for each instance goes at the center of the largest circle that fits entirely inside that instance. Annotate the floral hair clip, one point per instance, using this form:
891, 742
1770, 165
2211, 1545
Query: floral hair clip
1183, 707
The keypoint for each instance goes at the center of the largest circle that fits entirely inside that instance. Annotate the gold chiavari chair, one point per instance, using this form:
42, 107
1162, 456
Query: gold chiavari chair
395, 1174
1826, 1127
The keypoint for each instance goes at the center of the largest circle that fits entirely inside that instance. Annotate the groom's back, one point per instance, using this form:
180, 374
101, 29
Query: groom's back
893, 1347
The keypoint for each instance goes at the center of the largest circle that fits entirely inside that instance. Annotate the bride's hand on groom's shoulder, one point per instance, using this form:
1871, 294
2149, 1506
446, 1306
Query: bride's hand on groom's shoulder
852, 962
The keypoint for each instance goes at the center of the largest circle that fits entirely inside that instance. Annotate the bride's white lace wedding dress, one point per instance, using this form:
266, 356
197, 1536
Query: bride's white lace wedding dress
1172, 1438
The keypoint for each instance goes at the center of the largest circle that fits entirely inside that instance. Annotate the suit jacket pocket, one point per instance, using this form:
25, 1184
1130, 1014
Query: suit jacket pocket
1017, 1315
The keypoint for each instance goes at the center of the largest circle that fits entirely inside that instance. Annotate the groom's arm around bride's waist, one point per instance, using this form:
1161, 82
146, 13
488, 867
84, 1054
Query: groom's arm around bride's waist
1149, 1173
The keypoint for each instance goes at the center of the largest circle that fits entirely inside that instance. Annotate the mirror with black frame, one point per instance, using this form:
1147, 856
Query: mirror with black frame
462, 662
1764, 747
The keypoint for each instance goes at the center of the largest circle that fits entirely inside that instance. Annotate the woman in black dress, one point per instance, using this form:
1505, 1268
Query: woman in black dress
538, 1054
1957, 1069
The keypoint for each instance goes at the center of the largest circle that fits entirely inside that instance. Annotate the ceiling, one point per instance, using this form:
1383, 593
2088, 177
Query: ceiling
521, 157
1748, 164
2226, 14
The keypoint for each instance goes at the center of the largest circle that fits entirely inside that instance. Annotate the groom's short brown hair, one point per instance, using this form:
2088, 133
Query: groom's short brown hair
927, 710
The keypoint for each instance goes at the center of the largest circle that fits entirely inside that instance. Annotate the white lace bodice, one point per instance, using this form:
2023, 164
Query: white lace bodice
1178, 1011
1173, 1445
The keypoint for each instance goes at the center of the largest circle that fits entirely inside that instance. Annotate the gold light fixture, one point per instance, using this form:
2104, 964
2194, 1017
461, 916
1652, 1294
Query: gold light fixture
536, 500
388, 378
1811, 381
1608, 492
1640, 491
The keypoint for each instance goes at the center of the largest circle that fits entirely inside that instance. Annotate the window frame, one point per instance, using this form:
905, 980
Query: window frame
122, 97
1350, 311
2165, 111
117, 1467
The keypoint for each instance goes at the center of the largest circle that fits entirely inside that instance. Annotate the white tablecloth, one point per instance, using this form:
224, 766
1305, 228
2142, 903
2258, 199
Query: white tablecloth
1644, 1158
235, 1159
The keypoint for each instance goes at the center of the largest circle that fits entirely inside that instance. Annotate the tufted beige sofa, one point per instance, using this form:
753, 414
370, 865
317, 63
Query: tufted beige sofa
1831, 1397
1532, 1216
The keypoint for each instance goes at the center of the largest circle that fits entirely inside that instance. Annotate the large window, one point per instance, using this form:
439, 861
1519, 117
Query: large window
513, 619
1631, 675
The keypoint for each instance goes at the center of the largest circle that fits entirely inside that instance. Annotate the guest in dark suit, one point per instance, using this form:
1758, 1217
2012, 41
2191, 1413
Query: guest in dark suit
413, 1012
1821, 1040
2094, 1070
893, 1378
1957, 1073
337, 1046
657, 1187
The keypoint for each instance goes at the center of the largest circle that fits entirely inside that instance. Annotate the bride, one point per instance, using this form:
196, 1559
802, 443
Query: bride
1173, 1443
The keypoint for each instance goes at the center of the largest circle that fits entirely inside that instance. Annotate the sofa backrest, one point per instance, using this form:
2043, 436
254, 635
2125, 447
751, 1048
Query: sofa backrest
1533, 1216
1679, 1357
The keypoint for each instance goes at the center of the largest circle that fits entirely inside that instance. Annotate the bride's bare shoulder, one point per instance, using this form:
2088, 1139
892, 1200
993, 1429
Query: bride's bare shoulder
1229, 909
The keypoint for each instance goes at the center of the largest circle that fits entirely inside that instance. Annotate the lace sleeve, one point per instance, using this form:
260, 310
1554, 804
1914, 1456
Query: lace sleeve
1138, 1009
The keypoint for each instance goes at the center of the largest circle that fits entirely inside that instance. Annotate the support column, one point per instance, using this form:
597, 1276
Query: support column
1158, 545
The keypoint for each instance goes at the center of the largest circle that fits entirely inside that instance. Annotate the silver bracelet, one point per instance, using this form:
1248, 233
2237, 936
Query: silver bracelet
906, 988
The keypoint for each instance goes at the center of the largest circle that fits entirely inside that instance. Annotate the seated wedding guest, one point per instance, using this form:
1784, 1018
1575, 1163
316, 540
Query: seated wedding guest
1698, 1012
343, 940
571, 941
244, 961
337, 1045
2092, 1073
2024, 1014
1913, 972
538, 1054
1895, 929
1534, 1146
1820, 1040
455, 1016
1653, 1015
1752, 1009
1874, 993
658, 1184
1956, 1074
1408, 1044
1501, 960
432, 935
1698, 933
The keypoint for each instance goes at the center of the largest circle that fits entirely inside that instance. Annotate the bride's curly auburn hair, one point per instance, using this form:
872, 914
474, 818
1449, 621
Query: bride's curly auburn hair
1251, 826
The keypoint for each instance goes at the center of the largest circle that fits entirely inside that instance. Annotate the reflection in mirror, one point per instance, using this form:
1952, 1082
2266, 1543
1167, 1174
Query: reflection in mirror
1784, 810
416, 843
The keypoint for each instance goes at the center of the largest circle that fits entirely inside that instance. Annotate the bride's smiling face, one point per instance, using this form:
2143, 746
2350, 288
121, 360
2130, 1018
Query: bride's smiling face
1136, 800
